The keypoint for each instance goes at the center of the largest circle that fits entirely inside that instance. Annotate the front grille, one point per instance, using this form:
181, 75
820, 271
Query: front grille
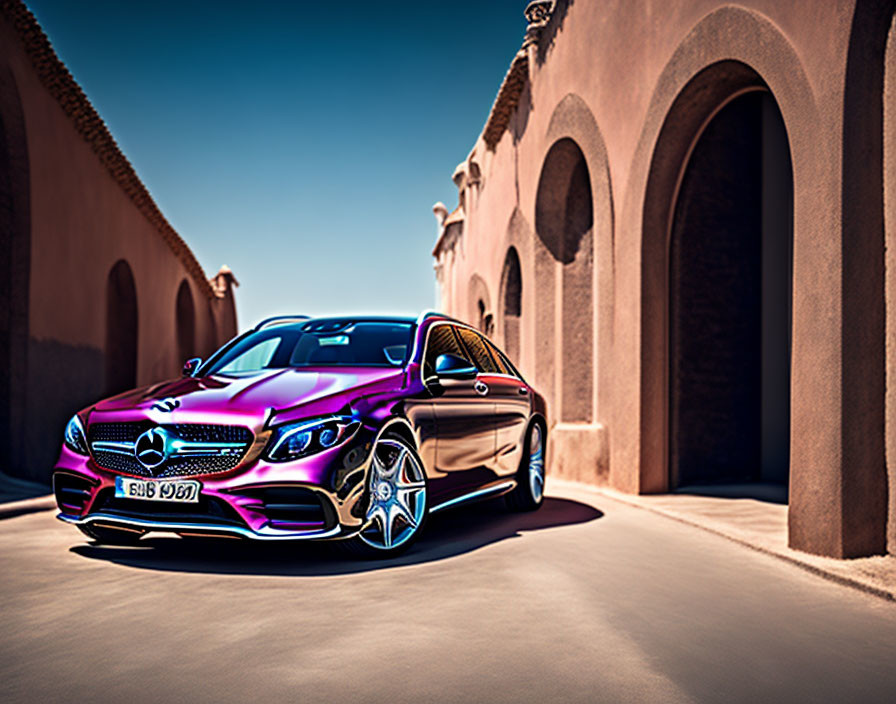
175, 465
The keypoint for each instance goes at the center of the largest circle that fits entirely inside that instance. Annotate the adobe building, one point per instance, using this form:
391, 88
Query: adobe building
97, 292
680, 217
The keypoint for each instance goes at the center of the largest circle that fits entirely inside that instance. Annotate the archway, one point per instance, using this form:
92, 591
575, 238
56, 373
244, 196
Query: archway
15, 273
511, 303
121, 329
480, 305
730, 292
564, 218
186, 323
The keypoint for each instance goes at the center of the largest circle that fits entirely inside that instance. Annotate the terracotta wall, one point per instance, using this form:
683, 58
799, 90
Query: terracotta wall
74, 217
634, 87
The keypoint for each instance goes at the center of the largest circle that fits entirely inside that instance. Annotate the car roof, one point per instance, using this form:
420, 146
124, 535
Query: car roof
332, 323
343, 320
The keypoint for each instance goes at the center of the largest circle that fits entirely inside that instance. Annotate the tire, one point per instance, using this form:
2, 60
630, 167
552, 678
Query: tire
398, 501
529, 492
110, 536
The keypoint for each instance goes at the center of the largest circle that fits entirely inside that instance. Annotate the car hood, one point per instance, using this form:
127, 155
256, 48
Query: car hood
249, 398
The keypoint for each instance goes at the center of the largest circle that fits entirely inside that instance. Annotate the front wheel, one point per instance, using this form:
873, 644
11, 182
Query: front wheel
398, 502
529, 492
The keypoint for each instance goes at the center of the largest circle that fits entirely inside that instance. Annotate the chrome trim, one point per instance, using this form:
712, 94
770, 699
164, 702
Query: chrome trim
119, 448
182, 448
473, 495
264, 534
280, 320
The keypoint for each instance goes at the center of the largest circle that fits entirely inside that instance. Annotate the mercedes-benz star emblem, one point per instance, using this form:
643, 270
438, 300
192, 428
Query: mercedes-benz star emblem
151, 448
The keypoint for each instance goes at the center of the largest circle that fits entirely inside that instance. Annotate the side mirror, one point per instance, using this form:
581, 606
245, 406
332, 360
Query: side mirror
191, 365
450, 366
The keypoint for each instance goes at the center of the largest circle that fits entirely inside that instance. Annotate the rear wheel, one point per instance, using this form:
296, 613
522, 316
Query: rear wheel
529, 492
111, 536
398, 502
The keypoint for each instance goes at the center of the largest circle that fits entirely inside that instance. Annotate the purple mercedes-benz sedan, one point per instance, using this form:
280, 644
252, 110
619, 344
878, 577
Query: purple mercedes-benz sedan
349, 428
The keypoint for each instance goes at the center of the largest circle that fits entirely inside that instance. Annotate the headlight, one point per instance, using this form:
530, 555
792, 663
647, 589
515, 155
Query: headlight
293, 440
75, 439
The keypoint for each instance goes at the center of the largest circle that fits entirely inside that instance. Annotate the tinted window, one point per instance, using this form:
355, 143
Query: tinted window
500, 361
478, 351
257, 356
363, 344
441, 341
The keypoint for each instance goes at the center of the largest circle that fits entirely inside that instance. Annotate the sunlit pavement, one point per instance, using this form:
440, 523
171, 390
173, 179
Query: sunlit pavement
585, 600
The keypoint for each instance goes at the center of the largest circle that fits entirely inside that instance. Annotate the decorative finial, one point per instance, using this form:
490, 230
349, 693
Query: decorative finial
537, 12
441, 212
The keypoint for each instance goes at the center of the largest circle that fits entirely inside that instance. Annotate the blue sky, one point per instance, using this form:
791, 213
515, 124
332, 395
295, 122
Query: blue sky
301, 143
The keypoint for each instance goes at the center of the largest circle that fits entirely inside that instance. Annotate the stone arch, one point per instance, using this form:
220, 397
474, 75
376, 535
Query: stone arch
185, 313
564, 261
729, 310
15, 272
481, 314
702, 108
573, 119
122, 327
511, 302
831, 470
741, 45
872, 67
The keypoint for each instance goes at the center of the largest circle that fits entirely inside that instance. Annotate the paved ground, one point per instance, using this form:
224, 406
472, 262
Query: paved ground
756, 515
586, 600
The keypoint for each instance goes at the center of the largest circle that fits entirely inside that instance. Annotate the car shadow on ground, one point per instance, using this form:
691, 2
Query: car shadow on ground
446, 535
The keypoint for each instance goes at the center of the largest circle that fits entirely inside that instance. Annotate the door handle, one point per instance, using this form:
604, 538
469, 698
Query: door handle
481, 388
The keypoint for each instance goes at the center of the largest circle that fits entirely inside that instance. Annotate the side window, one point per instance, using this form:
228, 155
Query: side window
441, 340
478, 351
500, 360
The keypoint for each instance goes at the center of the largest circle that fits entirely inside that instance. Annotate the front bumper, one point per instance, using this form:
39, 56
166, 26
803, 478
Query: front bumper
204, 529
247, 502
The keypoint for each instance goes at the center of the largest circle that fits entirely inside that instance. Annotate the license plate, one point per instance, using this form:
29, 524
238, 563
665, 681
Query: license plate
182, 491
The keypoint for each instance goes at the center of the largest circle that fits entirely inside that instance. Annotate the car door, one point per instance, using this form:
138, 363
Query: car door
489, 381
513, 408
465, 444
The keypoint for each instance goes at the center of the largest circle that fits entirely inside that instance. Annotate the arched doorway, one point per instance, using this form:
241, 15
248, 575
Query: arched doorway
186, 323
15, 274
512, 303
564, 218
730, 293
121, 329
480, 306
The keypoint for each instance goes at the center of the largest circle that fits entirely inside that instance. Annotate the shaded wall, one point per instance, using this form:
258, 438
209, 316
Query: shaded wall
76, 210
633, 85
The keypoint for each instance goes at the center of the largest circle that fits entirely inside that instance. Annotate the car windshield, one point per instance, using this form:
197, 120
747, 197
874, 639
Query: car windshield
315, 344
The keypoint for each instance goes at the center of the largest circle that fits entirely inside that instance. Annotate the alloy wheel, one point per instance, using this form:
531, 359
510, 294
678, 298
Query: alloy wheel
397, 496
536, 463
